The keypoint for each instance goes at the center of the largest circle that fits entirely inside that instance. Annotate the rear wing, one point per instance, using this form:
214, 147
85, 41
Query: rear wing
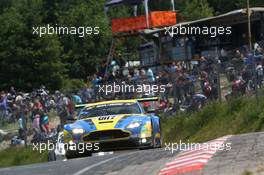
140, 100
147, 99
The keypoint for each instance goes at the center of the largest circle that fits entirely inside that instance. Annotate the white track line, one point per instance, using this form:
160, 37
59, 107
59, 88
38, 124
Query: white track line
187, 159
82, 171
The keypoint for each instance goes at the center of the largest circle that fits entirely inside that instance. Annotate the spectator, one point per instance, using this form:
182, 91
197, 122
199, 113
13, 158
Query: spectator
95, 85
12, 91
203, 78
150, 75
36, 124
37, 107
86, 94
114, 67
3, 107
164, 80
173, 68
259, 70
21, 128
203, 63
3, 102
143, 75
76, 98
44, 124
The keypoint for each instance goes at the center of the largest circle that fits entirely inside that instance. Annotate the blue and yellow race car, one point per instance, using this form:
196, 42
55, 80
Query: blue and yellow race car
112, 125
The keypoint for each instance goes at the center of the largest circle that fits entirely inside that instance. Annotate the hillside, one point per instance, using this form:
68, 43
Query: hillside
241, 115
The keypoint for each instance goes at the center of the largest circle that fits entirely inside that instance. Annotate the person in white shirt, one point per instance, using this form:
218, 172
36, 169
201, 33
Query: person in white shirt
259, 70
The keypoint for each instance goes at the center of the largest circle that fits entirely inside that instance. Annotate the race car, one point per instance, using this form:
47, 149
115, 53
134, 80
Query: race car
111, 125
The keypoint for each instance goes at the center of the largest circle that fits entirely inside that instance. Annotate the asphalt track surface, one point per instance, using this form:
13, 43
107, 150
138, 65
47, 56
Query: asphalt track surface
134, 162
245, 157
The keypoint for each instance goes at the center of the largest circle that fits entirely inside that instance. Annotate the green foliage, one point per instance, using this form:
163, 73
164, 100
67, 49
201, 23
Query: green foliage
157, 5
217, 119
222, 6
253, 3
73, 84
28, 61
196, 9
83, 54
21, 156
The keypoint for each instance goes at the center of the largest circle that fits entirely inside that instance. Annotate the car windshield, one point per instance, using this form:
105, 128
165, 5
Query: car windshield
110, 109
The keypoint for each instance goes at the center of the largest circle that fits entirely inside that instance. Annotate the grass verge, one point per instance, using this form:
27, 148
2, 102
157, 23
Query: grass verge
21, 156
241, 115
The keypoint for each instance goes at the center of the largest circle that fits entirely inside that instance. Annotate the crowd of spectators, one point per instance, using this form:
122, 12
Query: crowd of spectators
31, 110
179, 79
182, 82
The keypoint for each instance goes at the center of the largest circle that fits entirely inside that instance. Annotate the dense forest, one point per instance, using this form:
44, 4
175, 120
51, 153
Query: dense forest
27, 60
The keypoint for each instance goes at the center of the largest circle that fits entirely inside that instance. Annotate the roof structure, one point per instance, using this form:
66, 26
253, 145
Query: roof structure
208, 19
110, 3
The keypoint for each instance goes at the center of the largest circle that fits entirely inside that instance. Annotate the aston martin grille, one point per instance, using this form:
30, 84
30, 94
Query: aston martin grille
106, 135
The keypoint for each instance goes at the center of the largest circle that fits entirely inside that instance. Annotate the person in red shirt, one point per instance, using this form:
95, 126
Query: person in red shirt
37, 108
37, 105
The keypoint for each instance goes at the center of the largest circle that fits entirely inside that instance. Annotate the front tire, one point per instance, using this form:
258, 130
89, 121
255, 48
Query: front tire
75, 154
156, 141
159, 140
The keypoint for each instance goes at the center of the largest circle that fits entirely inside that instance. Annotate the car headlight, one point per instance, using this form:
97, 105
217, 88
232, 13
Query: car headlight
133, 125
78, 131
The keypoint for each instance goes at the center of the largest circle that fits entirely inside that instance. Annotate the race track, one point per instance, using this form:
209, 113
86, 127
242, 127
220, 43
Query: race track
245, 157
134, 162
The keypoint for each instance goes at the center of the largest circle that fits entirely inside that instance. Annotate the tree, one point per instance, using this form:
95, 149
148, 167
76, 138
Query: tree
223, 6
253, 3
158, 5
196, 9
26, 60
82, 54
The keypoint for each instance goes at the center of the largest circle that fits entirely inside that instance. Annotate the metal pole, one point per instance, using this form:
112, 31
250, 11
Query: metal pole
218, 69
249, 25
250, 49
109, 57
135, 10
173, 5
219, 82
146, 12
